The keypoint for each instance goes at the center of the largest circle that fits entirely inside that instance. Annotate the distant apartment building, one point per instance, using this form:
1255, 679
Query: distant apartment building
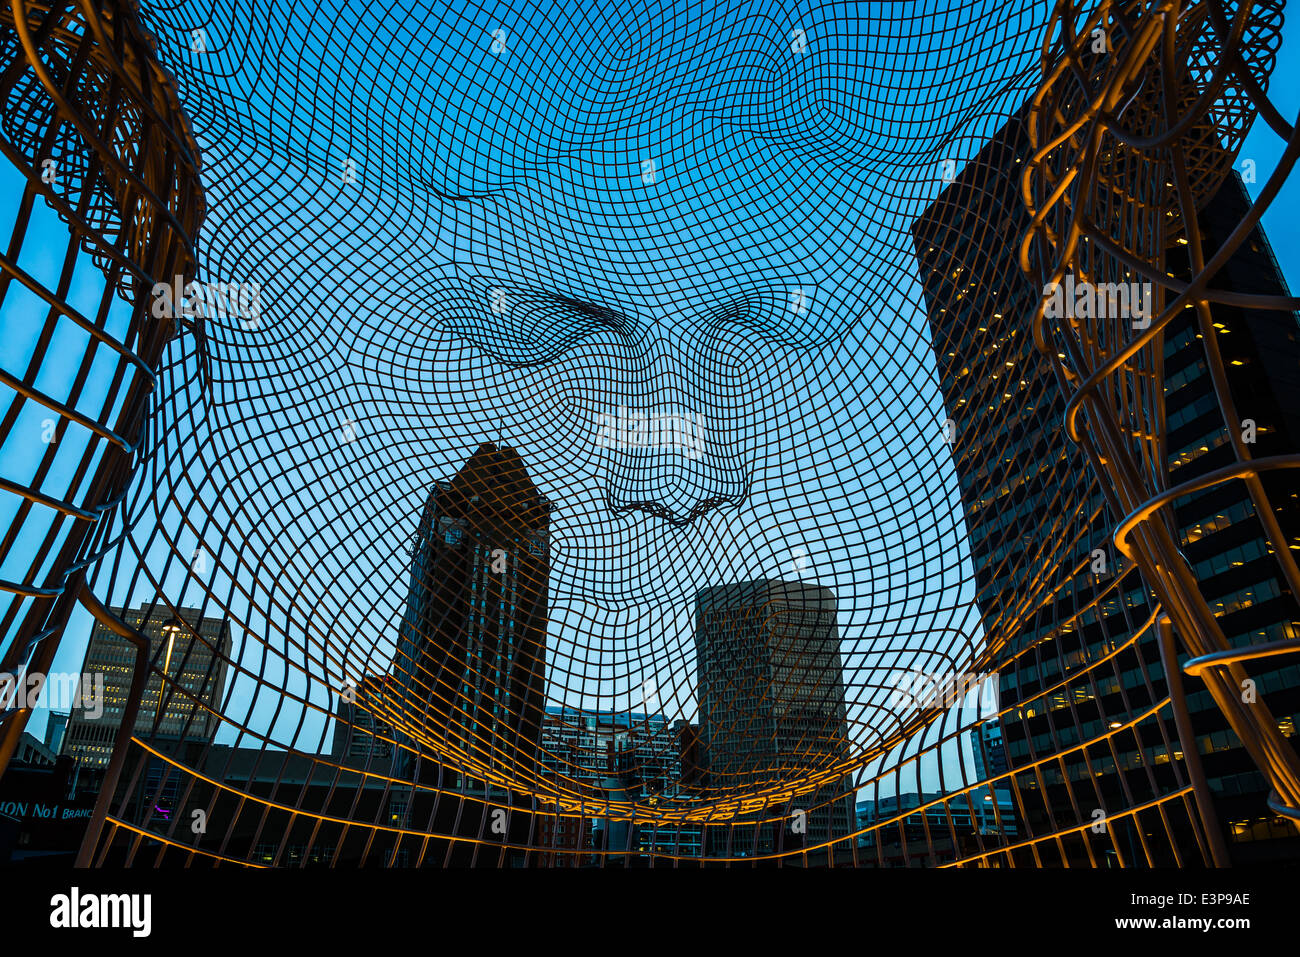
190, 650
988, 749
623, 756
773, 714
1054, 595
56, 726
33, 752
944, 831
587, 749
362, 739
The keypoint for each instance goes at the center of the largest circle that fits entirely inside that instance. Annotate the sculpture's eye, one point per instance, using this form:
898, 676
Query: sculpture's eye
517, 325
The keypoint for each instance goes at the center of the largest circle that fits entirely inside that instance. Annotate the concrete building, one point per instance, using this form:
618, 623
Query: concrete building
1054, 595
627, 757
362, 738
191, 650
469, 672
772, 713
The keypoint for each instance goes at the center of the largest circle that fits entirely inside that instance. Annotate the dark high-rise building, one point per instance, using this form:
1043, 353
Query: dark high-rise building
941, 833
192, 651
988, 750
468, 678
772, 711
1051, 589
588, 749
691, 750
56, 726
1219, 529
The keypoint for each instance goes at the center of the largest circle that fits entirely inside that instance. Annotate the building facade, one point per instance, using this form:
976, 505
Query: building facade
193, 653
623, 756
1072, 622
362, 738
468, 678
772, 713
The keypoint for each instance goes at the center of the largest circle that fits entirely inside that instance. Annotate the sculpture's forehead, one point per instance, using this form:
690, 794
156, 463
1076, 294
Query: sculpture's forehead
488, 94
665, 157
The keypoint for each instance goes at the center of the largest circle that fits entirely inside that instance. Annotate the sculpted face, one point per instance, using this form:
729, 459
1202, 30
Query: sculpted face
662, 251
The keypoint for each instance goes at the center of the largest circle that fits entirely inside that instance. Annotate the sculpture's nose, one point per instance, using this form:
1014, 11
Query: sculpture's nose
669, 458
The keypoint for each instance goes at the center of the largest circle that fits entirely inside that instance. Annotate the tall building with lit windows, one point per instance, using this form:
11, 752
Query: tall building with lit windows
1219, 530
622, 756
468, 678
1071, 618
191, 650
772, 712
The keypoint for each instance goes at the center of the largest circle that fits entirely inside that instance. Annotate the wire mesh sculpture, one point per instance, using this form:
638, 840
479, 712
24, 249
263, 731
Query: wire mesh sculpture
92, 122
1103, 129
511, 472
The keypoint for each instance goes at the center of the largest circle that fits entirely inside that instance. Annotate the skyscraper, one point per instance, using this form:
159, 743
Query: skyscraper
1219, 529
469, 673
192, 651
772, 711
1072, 619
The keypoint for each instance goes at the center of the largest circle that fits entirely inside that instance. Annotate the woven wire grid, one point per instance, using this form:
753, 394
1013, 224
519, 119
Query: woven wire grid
92, 125
491, 257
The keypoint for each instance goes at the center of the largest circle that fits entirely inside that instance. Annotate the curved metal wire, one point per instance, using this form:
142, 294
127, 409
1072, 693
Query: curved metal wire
92, 124
1163, 118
